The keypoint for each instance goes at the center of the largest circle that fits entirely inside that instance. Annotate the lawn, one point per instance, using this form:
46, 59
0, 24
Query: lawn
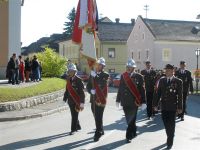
46, 86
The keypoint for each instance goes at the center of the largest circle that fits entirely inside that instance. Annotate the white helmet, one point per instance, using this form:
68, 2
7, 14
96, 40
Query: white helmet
131, 63
101, 61
72, 67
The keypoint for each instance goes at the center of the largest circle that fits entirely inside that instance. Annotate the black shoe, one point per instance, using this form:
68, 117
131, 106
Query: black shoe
97, 135
169, 146
128, 140
182, 119
78, 127
72, 133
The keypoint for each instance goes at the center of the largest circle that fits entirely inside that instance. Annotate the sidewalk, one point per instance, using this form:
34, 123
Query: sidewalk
34, 112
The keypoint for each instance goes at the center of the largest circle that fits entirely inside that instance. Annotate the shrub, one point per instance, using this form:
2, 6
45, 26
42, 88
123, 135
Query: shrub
53, 65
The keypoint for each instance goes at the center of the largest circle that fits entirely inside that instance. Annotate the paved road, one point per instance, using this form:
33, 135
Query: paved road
51, 132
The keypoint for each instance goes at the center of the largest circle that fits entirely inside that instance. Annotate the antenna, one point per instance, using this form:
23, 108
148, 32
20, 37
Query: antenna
146, 8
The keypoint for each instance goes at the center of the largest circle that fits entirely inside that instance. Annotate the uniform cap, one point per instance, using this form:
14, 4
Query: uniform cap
101, 61
72, 67
131, 63
169, 66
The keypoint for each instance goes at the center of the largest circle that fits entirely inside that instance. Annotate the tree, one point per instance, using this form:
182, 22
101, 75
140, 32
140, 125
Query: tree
68, 29
53, 65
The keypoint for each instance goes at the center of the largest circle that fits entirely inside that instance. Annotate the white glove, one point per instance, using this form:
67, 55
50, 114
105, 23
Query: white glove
117, 104
93, 73
143, 107
82, 105
93, 91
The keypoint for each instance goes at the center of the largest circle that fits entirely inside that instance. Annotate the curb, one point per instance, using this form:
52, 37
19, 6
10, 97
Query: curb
42, 114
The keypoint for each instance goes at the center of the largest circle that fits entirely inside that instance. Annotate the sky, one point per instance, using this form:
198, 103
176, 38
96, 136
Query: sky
44, 17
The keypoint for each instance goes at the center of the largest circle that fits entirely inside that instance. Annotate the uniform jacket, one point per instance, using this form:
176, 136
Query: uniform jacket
101, 79
187, 80
149, 79
78, 86
171, 95
124, 95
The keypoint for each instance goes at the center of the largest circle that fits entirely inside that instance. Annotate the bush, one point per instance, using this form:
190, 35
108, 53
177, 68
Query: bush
53, 65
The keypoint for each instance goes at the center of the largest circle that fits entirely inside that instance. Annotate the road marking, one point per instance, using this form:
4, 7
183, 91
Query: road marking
107, 134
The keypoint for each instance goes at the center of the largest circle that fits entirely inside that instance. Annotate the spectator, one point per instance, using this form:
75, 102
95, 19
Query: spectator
9, 71
21, 69
40, 71
35, 69
27, 69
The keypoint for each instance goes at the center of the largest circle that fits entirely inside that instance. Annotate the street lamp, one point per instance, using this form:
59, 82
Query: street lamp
197, 53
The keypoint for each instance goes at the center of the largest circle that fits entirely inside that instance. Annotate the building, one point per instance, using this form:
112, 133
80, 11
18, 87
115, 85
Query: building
162, 42
111, 43
10, 32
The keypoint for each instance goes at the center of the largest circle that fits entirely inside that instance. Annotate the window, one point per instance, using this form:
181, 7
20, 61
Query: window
166, 54
63, 50
139, 55
143, 36
147, 54
111, 52
111, 70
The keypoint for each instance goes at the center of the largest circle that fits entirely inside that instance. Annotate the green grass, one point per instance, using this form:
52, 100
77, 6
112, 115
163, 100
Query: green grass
46, 86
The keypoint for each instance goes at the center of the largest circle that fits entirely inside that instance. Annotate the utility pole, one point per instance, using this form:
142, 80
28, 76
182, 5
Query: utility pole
146, 8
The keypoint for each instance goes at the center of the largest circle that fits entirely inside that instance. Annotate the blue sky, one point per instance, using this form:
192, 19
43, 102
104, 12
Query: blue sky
44, 17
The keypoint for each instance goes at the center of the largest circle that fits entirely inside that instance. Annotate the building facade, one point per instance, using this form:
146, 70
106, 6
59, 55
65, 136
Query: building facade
162, 42
10, 32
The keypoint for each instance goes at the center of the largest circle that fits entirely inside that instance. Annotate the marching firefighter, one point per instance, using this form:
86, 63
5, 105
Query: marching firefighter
169, 93
131, 95
150, 79
75, 97
98, 89
185, 75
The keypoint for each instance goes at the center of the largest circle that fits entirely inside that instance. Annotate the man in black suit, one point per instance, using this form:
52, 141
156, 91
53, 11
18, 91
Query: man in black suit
185, 75
171, 96
131, 95
150, 80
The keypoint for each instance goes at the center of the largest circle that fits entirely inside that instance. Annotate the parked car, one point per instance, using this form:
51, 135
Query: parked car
111, 77
116, 80
80, 74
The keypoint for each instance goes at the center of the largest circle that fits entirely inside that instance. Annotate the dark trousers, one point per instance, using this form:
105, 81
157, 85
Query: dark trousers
74, 122
130, 114
149, 104
184, 104
98, 116
168, 118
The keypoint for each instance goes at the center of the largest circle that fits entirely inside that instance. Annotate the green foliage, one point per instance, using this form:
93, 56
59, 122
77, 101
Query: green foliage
68, 29
53, 65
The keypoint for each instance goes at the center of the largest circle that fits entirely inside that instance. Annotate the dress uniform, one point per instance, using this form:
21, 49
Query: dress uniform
170, 94
131, 94
150, 80
98, 89
185, 76
75, 96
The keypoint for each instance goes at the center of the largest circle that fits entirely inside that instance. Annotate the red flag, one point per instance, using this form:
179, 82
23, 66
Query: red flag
77, 32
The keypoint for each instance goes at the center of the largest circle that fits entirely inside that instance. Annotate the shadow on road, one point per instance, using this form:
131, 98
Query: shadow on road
110, 146
193, 105
72, 145
161, 147
32, 142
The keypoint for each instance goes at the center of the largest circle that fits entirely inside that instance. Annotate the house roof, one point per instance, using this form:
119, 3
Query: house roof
172, 29
112, 31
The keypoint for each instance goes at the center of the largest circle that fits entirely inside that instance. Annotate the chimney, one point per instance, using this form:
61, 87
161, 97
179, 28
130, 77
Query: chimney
133, 21
117, 20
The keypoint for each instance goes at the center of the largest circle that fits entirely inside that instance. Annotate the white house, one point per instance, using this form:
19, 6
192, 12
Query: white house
162, 42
